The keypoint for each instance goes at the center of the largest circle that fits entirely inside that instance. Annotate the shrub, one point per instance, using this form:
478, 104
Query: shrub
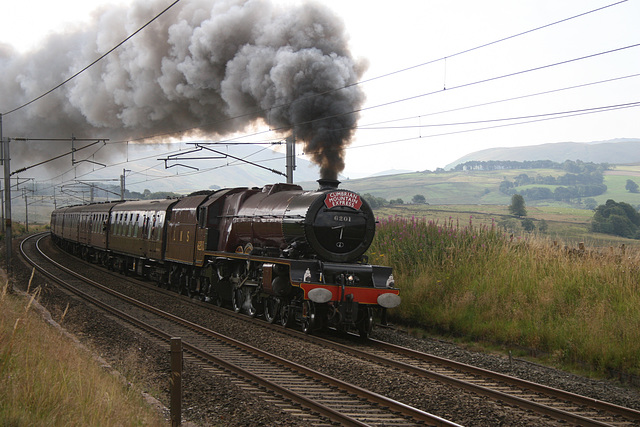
480, 283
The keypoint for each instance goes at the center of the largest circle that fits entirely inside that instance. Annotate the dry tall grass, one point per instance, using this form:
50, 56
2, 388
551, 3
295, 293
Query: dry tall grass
44, 380
582, 307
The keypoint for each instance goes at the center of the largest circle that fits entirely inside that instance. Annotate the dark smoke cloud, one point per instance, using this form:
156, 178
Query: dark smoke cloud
207, 67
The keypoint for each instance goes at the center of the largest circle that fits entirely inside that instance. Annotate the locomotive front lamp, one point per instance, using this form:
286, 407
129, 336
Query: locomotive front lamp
390, 282
320, 295
389, 300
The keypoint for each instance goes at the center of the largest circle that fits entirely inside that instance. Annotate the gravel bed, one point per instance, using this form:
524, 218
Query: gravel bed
610, 391
214, 400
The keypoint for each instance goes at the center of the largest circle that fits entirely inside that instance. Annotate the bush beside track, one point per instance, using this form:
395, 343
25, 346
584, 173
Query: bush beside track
580, 307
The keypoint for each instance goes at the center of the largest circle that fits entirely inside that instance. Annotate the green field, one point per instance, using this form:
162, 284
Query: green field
567, 226
482, 187
616, 179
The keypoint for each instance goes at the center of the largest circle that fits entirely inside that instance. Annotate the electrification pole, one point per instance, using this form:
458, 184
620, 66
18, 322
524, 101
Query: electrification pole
2, 208
1, 163
7, 197
291, 157
122, 185
26, 210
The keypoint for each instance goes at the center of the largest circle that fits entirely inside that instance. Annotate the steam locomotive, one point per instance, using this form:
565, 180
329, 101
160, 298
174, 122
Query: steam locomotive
290, 255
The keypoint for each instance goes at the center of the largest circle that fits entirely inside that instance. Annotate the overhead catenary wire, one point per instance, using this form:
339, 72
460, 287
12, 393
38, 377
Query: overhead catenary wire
181, 131
474, 83
491, 43
92, 63
538, 118
53, 158
484, 104
118, 164
388, 142
472, 49
561, 114
459, 53
228, 141
532, 120
632, 105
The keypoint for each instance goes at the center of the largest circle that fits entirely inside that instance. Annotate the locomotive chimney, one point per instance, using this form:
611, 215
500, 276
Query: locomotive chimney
328, 184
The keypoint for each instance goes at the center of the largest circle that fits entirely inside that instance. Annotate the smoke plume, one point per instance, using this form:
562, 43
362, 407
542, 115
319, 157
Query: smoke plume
207, 67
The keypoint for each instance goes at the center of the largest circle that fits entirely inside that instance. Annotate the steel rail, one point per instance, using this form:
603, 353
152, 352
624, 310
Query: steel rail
314, 406
310, 404
592, 403
558, 393
559, 414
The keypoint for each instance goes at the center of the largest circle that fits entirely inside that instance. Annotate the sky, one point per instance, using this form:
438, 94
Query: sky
440, 84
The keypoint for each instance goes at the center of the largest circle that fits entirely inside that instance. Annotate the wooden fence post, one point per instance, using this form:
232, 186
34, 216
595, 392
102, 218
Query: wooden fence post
176, 382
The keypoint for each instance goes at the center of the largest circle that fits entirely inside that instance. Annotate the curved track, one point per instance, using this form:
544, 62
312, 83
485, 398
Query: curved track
555, 403
558, 404
321, 397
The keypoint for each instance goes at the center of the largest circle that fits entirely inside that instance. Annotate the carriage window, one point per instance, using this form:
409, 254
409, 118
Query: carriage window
152, 229
159, 228
202, 217
135, 226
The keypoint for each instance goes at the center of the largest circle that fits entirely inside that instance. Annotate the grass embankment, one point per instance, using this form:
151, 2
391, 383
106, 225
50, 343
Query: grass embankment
478, 283
45, 380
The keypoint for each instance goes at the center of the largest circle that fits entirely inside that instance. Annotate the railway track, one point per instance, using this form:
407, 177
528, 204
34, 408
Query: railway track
544, 400
315, 398
554, 403
548, 401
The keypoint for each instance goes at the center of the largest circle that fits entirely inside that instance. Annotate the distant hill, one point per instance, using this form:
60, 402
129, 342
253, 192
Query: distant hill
617, 151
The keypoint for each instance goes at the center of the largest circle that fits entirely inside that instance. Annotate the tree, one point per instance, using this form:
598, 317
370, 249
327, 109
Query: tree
590, 203
631, 186
620, 219
528, 225
543, 226
505, 187
509, 225
374, 202
418, 199
517, 206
